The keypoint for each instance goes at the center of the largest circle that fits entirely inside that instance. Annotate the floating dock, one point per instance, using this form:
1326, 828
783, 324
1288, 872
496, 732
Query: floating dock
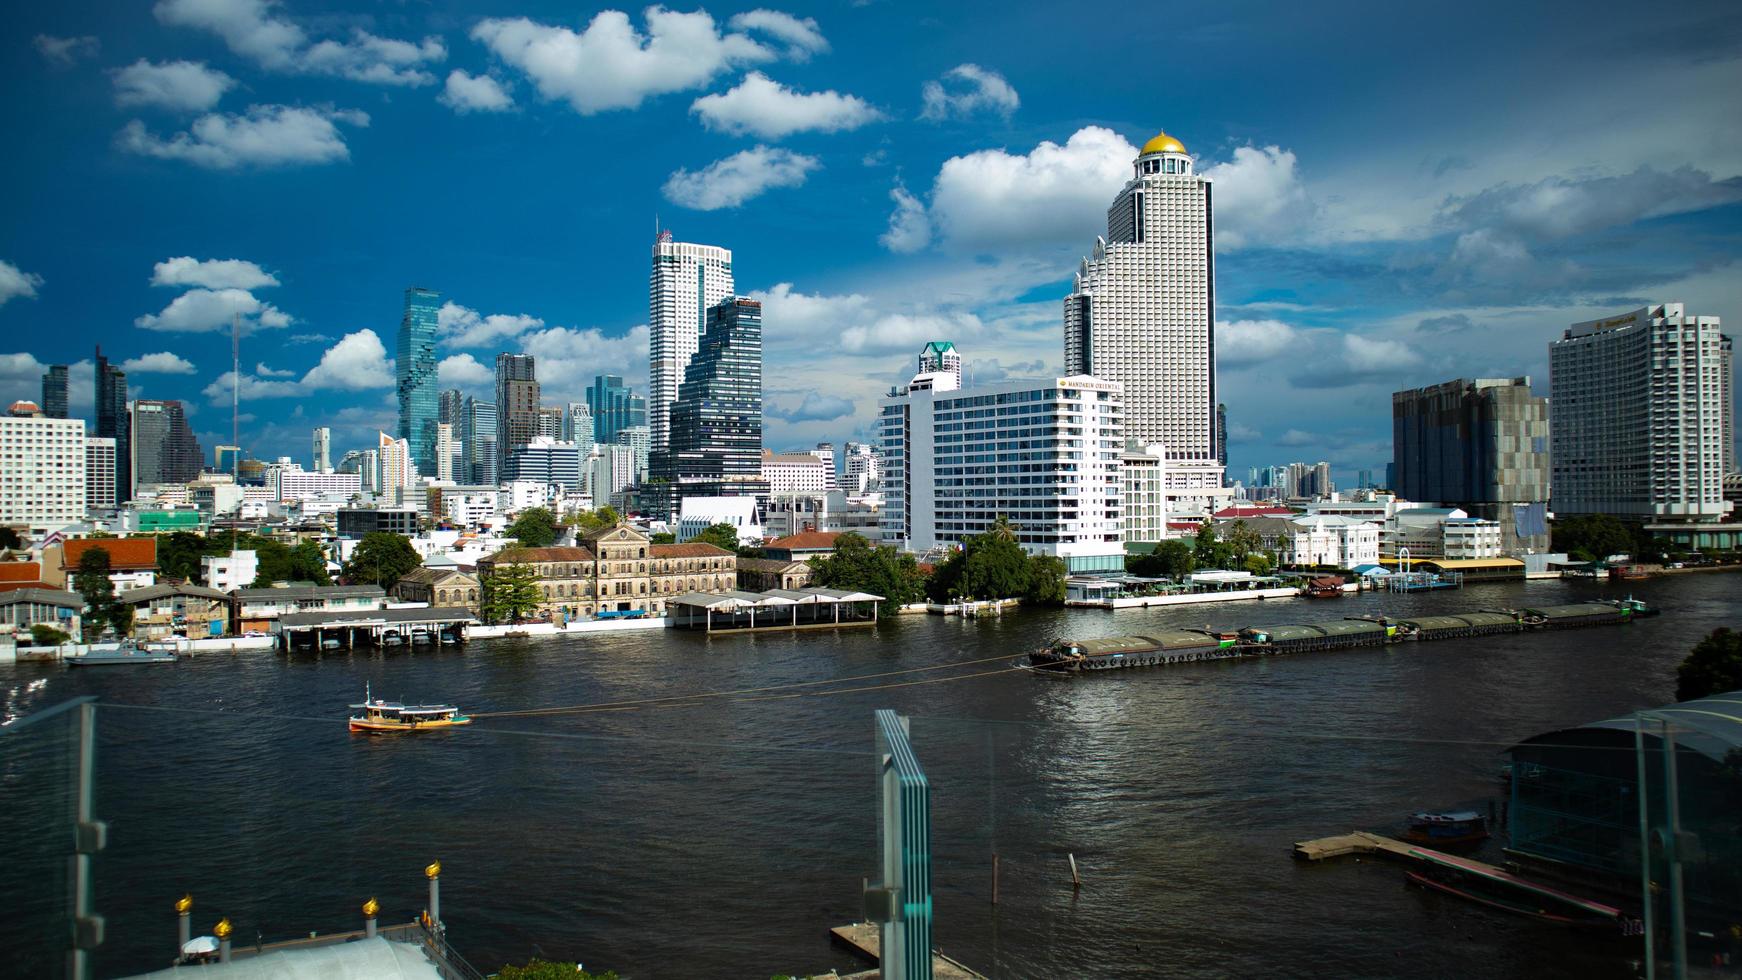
865, 941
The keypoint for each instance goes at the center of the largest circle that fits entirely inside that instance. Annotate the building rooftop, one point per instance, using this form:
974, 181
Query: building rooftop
293, 592
53, 597
805, 541
125, 554
1162, 143
1711, 725
136, 596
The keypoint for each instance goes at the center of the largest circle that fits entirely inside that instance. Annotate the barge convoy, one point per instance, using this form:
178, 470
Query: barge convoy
1182, 646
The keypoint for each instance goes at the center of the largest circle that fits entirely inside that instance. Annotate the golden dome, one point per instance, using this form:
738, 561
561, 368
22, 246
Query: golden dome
223, 929
184, 904
433, 870
1162, 143
371, 908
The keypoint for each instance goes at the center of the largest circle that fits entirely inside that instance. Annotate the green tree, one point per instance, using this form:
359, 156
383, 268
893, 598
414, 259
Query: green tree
382, 558
592, 520
1046, 580
1170, 559
720, 535
509, 594
1242, 541
44, 635
1591, 537
179, 554
1258, 564
857, 565
535, 528
1714, 666
92, 582
9, 539
662, 537
987, 566
537, 969
308, 563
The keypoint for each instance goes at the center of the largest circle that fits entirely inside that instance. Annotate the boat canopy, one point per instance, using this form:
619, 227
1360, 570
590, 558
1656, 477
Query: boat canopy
1575, 611
1460, 621
1168, 640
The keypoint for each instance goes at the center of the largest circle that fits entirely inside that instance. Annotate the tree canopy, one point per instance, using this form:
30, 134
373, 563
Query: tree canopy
857, 565
92, 582
720, 535
179, 554
9, 539
592, 520
509, 594
993, 565
537, 969
382, 558
1170, 559
536, 527
1714, 666
1591, 537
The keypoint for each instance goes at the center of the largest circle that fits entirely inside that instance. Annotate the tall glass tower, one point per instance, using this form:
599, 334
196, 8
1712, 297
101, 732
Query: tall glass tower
687, 280
54, 391
113, 423
715, 447
615, 407
416, 363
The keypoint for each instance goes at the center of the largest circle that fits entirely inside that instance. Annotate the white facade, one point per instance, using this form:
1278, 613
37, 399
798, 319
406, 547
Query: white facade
859, 468
613, 466
517, 495
395, 467
825, 451
470, 507
830, 511
100, 474
323, 450
42, 472
300, 484
700, 513
686, 280
1340, 541
639, 439
227, 573
789, 473
1143, 497
1471, 537
1044, 455
1194, 488
446, 448
1141, 309
1641, 418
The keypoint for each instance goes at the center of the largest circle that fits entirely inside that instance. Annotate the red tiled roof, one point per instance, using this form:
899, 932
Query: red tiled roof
692, 549
541, 554
11, 586
125, 554
1253, 510
20, 571
806, 541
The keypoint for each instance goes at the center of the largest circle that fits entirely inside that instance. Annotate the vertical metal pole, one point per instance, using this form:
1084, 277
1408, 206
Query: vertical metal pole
1646, 898
1672, 850
434, 874
87, 841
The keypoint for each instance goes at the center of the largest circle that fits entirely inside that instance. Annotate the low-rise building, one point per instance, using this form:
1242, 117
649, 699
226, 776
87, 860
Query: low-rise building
789, 473
192, 611
1328, 540
132, 561
805, 546
21, 575
24, 608
697, 514
439, 587
354, 522
257, 609
616, 570
230, 572
764, 574
1471, 537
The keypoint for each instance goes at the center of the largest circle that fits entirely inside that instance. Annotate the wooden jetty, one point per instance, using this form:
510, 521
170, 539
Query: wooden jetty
1354, 842
865, 940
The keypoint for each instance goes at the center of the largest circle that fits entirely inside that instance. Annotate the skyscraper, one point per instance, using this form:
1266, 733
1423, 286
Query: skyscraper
1142, 306
446, 448
478, 442
54, 392
687, 281
715, 447
396, 469
99, 473
1222, 435
164, 447
516, 404
615, 407
415, 362
551, 422
323, 450
449, 405
113, 423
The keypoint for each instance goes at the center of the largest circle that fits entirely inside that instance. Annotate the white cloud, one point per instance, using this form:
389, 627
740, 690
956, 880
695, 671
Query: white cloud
250, 28
730, 182
265, 136
261, 369
802, 37
770, 110
475, 93
569, 357
21, 377
356, 363
185, 270
464, 327
1560, 207
185, 86
464, 370
965, 90
789, 315
908, 332
1051, 195
208, 310
1242, 343
1260, 198
62, 52
219, 391
15, 282
814, 407
909, 226
1354, 359
611, 65
162, 362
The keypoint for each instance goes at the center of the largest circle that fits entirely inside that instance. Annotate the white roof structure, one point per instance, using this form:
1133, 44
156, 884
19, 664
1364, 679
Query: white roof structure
365, 959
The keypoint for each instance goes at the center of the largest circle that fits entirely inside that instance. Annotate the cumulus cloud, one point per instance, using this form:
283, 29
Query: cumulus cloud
729, 182
20, 377
253, 30
356, 363
766, 108
464, 371
1051, 195
185, 270
1260, 198
801, 37
1355, 359
788, 313
1561, 207
965, 90
184, 86
64, 52
859, 323
909, 225
814, 407
207, 310
569, 357
1243, 343
261, 369
475, 93
162, 362
264, 136
219, 391
611, 65
462, 326
907, 332
988, 370
15, 282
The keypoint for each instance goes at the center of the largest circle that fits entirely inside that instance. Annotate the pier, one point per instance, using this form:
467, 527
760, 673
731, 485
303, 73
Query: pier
864, 940
776, 609
316, 631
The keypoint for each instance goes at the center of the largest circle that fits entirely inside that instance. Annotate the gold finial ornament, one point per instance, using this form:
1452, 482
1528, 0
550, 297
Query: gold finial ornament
223, 929
370, 908
184, 904
433, 870
1162, 143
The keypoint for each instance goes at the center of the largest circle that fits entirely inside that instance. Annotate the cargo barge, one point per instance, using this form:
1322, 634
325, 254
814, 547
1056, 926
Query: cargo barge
1196, 646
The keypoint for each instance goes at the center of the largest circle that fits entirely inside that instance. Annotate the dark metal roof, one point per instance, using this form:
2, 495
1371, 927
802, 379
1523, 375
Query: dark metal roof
1163, 640
377, 617
294, 592
1711, 726
52, 597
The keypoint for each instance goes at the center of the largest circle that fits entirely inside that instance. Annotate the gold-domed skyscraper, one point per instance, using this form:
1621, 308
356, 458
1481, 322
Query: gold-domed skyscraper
1142, 311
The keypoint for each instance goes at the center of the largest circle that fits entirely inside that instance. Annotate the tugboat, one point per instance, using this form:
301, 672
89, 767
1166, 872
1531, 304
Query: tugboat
1325, 587
388, 717
1447, 829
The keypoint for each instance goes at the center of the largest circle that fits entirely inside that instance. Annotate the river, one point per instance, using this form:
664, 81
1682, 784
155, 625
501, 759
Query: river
723, 837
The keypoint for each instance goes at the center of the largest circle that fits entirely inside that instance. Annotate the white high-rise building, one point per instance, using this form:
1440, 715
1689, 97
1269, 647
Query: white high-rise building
1639, 416
1042, 454
1143, 504
42, 469
393, 457
686, 280
613, 466
323, 450
100, 474
1142, 306
825, 451
446, 448
859, 468
789, 473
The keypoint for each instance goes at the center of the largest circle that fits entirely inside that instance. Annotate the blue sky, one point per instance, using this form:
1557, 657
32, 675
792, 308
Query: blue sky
1404, 195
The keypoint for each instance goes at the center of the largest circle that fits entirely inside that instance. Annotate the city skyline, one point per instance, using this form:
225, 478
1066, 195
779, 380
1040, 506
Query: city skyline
1351, 261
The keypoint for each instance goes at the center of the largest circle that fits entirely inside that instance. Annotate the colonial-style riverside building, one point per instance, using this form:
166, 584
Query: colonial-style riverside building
616, 569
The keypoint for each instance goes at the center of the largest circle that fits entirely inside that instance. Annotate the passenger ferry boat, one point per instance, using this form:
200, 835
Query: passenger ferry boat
1447, 829
386, 717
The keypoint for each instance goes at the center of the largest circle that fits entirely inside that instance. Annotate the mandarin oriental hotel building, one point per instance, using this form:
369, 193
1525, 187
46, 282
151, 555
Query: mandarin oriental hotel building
1042, 454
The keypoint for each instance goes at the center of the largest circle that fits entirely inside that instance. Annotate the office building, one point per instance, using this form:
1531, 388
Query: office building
323, 450
1482, 446
446, 449
941, 357
639, 439
415, 363
551, 422
42, 484
789, 473
825, 451
1043, 455
164, 447
100, 474
1222, 436
548, 461
578, 424
355, 522
612, 470
615, 407
715, 447
1641, 416
1142, 306
859, 468
394, 465
449, 405
295, 483
516, 404
478, 441
54, 392
686, 282
113, 423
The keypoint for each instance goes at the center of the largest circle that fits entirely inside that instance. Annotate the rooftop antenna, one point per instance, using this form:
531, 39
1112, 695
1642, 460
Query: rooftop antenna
235, 413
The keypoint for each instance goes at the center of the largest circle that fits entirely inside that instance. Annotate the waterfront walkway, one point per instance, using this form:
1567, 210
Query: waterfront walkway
864, 939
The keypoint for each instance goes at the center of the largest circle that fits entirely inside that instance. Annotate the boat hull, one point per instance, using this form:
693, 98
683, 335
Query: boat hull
395, 728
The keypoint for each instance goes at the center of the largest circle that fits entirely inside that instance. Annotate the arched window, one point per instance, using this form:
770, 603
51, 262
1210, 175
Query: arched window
642, 567
641, 553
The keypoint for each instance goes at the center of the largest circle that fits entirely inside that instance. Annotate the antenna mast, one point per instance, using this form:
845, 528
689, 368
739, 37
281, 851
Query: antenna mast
235, 417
